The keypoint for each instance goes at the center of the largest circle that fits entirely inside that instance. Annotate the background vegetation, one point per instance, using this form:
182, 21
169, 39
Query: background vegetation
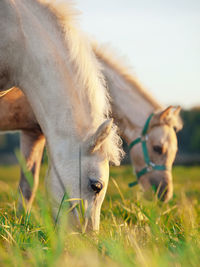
189, 137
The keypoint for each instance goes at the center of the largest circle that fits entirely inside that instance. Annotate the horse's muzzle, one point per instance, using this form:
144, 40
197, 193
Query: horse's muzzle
162, 188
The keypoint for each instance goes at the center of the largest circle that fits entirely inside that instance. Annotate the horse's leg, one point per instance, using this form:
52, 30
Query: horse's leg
32, 146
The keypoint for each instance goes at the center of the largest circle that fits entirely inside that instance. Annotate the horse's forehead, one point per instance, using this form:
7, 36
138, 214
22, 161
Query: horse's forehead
162, 134
95, 160
96, 167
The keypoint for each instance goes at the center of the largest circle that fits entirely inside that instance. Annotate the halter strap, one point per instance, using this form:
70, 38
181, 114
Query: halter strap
65, 194
150, 166
144, 132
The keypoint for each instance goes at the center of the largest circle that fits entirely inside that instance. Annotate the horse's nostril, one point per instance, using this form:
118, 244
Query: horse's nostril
96, 186
160, 188
163, 192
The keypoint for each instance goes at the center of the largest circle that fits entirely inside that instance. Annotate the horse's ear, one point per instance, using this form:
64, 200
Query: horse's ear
166, 113
179, 123
177, 111
162, 117
170, 111
169, 116
101, 134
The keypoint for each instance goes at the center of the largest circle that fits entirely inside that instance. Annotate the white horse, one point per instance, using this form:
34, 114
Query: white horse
131, 107
43, 52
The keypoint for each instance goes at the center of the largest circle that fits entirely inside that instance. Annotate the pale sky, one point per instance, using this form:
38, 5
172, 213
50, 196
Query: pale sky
160, 40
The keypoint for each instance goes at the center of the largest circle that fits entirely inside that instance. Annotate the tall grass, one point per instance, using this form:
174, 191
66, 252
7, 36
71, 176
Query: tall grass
134, 231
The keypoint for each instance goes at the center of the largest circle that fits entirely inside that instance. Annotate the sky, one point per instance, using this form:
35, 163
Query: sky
159, 39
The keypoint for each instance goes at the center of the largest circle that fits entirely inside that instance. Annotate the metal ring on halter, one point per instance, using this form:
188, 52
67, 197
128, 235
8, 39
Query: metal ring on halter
149, 168
144, 137
152, 164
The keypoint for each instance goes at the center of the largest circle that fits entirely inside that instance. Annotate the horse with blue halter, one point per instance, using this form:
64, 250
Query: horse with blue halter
148, 128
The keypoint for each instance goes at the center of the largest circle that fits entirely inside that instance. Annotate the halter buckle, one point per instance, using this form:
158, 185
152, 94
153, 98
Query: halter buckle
149, 168
144, 137
152, 164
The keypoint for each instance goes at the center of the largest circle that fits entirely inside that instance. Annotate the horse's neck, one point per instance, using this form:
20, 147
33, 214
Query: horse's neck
47, 68
41, 71
65, 64
131, 104
41, 67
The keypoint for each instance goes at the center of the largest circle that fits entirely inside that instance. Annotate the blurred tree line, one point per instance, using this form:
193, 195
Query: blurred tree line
188, 138
8, 143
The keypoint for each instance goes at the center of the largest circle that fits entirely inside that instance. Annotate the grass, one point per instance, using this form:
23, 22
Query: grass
134, 231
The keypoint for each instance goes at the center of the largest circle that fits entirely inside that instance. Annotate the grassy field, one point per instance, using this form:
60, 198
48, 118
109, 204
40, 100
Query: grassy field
134, 230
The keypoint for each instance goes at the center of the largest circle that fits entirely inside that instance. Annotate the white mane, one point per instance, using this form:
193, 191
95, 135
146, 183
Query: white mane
106, 54
90, 93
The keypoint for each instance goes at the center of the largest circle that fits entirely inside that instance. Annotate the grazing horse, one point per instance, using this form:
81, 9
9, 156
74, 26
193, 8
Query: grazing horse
148, 128
131, 106
43, 52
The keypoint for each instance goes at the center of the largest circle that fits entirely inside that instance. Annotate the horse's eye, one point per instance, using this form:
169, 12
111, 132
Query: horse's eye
96, 186
175, 129
158, 149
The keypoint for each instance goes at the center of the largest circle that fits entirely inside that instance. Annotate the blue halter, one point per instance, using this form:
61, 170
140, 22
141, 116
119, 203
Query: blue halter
150, 166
